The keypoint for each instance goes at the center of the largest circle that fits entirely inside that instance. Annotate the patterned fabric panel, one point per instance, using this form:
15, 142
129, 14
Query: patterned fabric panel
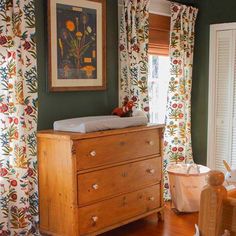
18, 119
177, 136
134, 32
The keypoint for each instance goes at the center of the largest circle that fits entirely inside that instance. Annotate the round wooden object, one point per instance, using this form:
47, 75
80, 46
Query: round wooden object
215, 178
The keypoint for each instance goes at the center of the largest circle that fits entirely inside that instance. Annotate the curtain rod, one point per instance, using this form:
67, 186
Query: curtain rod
182, 2
171, 1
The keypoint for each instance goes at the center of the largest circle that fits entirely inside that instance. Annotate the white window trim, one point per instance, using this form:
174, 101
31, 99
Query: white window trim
212, 89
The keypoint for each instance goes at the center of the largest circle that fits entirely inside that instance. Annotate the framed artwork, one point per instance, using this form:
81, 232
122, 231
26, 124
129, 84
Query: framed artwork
77, 45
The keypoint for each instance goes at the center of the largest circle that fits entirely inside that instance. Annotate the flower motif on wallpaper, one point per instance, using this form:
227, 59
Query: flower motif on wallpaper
76, 44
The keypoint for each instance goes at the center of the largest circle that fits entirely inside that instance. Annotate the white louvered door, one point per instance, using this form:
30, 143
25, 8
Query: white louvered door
222, 97
233, 137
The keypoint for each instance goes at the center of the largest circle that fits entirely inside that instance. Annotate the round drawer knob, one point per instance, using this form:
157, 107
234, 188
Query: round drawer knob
152, 199
94, 218
151, 143
95, 186
151, 171
93, 153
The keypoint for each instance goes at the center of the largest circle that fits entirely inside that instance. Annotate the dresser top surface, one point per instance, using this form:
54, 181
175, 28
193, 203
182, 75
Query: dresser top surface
73, 135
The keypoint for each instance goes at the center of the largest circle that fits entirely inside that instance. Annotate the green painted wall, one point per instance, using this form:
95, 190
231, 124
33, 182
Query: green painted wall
55, 106
200, 86
210, 12
62, 105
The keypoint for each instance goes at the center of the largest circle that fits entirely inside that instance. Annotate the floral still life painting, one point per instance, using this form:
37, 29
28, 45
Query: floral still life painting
75, 45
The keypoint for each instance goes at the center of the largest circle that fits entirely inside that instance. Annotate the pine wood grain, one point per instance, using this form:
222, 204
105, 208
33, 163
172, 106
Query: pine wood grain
146, 171
57, 195
76, 136
98, 151
65, 195
173, 225
123, 207
217, 207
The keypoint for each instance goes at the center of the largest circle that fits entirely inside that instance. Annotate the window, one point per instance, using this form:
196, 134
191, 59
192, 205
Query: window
159, 66
158, 80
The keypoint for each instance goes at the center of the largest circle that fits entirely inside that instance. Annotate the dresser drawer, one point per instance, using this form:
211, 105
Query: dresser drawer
112, 181
116, 148
106, 213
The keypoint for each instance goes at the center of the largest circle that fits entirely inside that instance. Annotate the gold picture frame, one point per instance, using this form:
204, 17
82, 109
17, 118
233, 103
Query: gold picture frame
77, 45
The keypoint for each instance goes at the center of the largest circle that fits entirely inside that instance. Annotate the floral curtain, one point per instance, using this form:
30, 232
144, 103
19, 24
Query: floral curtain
134, 32
177, 135
18, 119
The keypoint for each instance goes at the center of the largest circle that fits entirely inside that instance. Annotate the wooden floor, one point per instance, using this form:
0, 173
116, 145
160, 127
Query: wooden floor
173, 225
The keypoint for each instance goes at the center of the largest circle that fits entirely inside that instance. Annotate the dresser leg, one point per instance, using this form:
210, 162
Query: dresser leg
160, 215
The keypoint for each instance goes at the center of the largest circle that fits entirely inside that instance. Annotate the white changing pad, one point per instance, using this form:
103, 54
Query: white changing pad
98, 123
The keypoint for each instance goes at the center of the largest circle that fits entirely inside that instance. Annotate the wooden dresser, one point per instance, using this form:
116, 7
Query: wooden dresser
91, 183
